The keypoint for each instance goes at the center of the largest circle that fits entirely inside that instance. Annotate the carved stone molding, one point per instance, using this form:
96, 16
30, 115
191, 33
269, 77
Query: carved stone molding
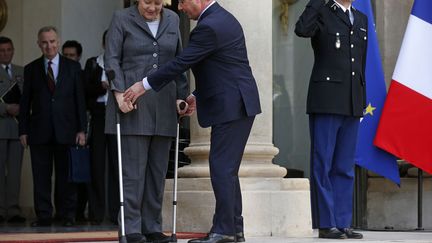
284, 14
3, 14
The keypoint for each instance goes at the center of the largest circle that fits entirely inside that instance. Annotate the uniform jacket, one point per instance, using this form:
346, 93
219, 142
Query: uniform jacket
8, 124
133, 53
56, 117
225, 87
337, 84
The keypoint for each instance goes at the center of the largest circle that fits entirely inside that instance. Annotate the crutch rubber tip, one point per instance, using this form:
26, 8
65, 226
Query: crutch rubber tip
122, 239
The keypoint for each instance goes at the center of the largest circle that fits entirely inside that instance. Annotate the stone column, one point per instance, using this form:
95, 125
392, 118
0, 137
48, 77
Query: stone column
259, 152
271, 205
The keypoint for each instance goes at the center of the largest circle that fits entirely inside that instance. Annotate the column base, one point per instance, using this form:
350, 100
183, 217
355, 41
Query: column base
271, 206
256, 162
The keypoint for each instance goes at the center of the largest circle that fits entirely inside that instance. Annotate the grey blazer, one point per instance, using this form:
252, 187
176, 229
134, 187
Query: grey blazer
133, 53
8, 125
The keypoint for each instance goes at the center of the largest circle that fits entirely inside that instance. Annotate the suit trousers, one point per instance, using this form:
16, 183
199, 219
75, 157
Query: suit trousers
228, 141
45, 158
11, 154
104, 173
333, 144
145, 164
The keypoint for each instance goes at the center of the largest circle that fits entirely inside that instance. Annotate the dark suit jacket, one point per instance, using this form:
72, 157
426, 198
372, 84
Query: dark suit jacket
337, 84
57, 117
92, 83
225, 87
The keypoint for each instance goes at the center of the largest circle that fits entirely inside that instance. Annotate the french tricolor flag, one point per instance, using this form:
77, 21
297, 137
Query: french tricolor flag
405, 127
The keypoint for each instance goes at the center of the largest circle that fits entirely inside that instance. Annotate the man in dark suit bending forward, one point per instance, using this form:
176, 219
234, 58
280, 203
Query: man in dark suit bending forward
226, 98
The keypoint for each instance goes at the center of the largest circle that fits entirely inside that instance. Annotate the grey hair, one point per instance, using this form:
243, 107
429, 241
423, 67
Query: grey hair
47, 29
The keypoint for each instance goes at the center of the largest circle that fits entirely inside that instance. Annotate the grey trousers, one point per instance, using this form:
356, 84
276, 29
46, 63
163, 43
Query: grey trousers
145, 164
11, 154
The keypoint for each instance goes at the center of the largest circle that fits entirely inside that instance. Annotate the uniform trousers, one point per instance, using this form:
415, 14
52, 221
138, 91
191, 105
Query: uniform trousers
145, 164
11, 154
333, 144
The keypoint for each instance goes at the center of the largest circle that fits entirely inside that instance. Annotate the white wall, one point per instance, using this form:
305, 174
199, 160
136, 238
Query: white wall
85, 21
82, 20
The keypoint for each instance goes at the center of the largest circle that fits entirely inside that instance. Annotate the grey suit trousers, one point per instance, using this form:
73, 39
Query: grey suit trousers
145, 164
11, 154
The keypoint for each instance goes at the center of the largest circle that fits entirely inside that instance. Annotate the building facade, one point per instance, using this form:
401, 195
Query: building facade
281, 63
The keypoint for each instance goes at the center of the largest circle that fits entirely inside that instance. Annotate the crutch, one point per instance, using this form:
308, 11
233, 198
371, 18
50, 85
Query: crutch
182, 106
111, 75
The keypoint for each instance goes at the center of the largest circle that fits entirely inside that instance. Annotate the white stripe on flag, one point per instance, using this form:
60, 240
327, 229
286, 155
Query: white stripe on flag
413, 68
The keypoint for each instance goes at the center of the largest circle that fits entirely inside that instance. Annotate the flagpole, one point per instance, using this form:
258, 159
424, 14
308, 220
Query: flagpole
420, 200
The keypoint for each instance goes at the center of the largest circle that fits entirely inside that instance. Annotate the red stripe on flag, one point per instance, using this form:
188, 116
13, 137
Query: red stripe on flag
405, 127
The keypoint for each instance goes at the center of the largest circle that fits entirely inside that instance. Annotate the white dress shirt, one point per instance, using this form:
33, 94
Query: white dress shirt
351, 15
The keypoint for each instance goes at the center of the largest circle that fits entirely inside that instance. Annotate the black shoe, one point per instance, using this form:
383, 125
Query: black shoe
135, 238
214, 238
96, 222
157, 237
68, 222
2, 219
351, 234
16, 219
240, 237
114, 222
41, 223
80, 218
331, 233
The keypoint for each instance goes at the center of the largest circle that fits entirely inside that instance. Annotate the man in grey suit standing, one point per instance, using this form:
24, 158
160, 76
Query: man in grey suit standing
11, 151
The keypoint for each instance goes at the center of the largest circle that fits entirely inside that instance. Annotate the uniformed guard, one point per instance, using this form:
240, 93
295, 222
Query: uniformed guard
335, 102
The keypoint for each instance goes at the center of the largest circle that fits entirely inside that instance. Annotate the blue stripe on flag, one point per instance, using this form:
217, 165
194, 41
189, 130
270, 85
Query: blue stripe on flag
367, 155
423, 10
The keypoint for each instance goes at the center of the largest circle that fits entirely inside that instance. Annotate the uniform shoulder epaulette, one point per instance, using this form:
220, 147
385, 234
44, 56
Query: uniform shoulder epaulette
334, 6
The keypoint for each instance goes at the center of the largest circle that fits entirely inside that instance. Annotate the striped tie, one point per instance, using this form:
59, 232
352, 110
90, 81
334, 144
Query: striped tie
50, 77
7, 70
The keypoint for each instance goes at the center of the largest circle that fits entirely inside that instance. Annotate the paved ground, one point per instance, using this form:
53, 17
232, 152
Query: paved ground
369, 237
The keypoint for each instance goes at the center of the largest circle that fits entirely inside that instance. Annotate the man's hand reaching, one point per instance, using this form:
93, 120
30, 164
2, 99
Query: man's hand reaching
191, 101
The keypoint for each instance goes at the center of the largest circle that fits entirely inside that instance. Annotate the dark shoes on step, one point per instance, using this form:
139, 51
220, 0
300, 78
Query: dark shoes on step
16, 219
135, 238
41, 223
351, 234
334, 233
157, 237
240, 237
214, 238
